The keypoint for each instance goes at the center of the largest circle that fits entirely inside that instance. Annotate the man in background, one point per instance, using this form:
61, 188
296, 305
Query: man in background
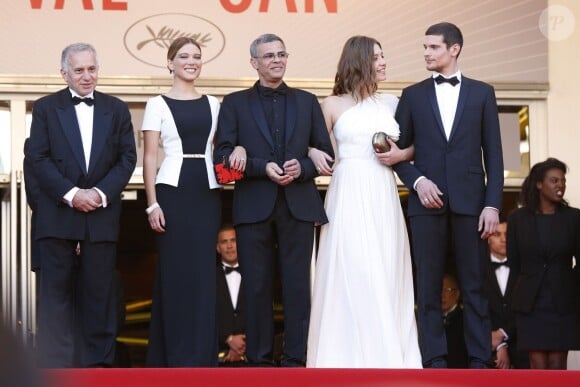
231, 305
500, 281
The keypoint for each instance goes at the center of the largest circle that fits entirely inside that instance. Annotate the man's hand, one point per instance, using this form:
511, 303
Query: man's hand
429, 194
497, 338
86, 200
237, 350
277, 175
292, 168
503, 358
237, 343
488, 221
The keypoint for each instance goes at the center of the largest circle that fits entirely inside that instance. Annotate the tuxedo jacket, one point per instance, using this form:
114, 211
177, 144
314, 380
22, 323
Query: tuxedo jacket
242, 121
539, 267
231, 321
456, 165
58, 163
32, 191
454, 334
500, 310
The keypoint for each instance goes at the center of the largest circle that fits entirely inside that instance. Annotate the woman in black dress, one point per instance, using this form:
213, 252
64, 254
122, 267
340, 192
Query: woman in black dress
543, 237
184, 208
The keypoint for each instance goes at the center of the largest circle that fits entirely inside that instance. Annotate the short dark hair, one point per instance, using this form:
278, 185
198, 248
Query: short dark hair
450, 32
226, 227
262, 39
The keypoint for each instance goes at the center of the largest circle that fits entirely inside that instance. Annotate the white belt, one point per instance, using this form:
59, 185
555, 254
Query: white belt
194, 156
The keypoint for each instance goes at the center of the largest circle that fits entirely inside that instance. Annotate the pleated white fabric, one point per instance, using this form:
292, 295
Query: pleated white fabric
363, 304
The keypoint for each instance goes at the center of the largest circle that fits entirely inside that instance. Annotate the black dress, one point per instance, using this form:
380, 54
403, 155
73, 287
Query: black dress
545, 327
183, 326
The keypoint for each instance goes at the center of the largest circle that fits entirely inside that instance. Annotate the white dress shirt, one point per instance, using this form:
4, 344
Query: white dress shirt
447, 98
233, 279
502, 274
85, 114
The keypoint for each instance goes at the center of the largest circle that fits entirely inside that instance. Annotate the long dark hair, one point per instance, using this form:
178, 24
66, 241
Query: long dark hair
530, 196
355, 74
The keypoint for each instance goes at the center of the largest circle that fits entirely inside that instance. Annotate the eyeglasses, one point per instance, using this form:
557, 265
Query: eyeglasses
271, 55
449, 289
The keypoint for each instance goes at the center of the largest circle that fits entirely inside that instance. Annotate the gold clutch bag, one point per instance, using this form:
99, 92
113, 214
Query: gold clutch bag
380, 143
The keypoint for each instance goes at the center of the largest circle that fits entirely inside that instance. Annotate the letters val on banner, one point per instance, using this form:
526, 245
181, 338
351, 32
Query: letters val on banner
133, 35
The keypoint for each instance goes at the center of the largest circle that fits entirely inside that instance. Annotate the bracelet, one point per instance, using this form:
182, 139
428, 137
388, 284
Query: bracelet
152, 208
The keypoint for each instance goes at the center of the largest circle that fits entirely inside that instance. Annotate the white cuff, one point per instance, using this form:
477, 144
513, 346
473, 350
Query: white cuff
417, 182
103, 197
152, 208
69, 196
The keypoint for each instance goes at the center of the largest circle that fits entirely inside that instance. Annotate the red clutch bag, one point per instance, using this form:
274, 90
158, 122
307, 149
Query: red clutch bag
224, 174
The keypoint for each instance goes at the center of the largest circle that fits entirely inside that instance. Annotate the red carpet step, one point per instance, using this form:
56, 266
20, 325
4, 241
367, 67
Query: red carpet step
300, 377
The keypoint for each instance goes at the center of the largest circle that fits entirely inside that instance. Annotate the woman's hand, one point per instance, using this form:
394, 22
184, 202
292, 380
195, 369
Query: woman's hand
238, 159
321, 161
157, 220
395, 155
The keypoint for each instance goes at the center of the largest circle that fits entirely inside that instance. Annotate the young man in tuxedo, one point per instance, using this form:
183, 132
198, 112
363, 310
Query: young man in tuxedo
276, 205
231, 304
500, 281
455, 184
82, 154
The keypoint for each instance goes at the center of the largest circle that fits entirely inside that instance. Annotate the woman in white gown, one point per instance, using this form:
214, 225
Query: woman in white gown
363, 304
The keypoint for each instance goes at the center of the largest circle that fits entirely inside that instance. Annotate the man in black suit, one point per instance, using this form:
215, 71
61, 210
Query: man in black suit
32, 191
453, 122
276, 205
500, 281
82, 152
231, 304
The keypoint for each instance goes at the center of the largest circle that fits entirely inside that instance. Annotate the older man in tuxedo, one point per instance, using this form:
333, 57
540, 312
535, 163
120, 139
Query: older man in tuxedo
82, 153
453, 123
276, 205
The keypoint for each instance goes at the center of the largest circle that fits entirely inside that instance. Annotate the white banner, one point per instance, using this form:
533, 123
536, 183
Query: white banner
503, 41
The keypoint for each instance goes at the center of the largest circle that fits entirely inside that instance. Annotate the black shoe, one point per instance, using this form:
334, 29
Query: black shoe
438, 362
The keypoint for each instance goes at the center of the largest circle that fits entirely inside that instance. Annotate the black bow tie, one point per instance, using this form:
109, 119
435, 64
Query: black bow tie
269, 92
89, 101
441, 79
229, 269
495, 265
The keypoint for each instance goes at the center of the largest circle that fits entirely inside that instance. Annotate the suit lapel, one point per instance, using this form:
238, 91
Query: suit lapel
290, 114
70, 126
260, 116
510, 283
102, 117
435, 106
463, 93
494, 281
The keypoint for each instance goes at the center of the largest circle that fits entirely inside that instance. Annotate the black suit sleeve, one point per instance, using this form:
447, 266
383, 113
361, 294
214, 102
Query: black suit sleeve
319, 139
